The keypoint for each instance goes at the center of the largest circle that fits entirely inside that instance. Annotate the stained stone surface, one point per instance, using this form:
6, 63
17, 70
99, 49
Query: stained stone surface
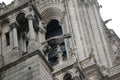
92, 53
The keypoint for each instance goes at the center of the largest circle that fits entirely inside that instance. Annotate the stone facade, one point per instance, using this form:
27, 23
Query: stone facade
57, 40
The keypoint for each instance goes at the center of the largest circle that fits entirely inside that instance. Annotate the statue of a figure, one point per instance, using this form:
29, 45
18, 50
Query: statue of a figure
54, 41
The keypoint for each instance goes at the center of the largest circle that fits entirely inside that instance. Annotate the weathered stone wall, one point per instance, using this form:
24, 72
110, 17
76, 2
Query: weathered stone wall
90, 37
30, 69
88, 32
115, 46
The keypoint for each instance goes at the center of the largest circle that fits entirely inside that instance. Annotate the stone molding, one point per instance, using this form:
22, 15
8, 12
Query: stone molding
13, 25
30, 17
25, 57
114, 70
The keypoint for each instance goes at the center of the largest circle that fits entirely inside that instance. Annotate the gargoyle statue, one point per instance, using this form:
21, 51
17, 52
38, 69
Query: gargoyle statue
54, 41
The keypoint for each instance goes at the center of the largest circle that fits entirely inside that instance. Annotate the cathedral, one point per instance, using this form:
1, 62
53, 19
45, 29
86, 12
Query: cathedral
57, 40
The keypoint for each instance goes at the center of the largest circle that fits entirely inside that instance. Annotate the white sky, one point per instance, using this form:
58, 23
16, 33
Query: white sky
110, 10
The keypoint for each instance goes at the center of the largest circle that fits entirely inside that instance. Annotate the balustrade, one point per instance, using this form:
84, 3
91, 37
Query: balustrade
87, 62
114, 70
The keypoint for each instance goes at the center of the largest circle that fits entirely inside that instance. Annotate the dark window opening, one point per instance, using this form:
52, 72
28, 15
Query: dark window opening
36, 24
52, 56
64, 55
54, 29
67, 77
27, 44
22, 22
80, 77
7, 38
22, 29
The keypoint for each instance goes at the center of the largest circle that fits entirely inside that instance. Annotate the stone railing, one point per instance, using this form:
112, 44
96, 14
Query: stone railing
65, 64
87, 62
114, 70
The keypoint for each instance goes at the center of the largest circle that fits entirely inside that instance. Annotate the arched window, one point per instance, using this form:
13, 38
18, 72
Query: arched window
5, 33
67, 77
22, 22
22, 31
54, 29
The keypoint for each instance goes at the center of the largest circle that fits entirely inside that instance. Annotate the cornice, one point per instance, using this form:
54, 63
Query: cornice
15, 9
25, 57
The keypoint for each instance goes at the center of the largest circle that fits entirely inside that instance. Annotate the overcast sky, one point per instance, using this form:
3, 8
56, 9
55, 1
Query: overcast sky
110, 10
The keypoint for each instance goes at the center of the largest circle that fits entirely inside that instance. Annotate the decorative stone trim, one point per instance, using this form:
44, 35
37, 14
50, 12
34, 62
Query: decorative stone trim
13, 25
30, 17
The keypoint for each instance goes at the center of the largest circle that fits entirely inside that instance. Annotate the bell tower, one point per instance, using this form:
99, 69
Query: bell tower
56, 40
21, 57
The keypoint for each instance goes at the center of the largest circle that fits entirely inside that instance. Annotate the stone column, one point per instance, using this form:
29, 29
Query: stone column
31, 29
0, 41
1, 55
15, 36
59, 53
24, 46
41, 32
32, 45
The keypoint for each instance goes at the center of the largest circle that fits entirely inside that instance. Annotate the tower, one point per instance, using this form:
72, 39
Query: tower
56, 40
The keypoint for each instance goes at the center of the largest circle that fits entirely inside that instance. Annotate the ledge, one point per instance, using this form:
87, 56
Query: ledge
17, 8
66, 64
114, 70
25, 57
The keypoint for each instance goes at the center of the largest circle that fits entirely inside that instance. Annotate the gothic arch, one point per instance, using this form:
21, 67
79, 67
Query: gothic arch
56, 5
6, 30
67, 76
22, 11
52, 26
68, 72
53, 29
52, 13
7, 20
22, 30
22, 22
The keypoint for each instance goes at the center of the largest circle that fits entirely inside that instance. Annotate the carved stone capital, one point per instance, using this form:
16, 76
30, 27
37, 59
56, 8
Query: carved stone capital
30, 17
13, 25
42, 30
